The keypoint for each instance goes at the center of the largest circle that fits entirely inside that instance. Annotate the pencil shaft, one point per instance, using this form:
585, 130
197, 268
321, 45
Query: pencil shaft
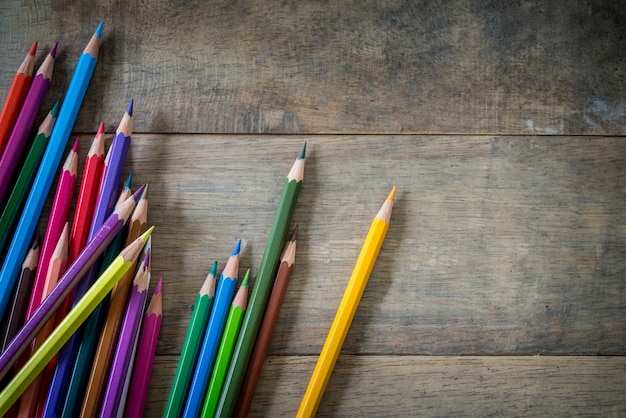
191, 347
15, 97
18, 194
49, 163
261, 290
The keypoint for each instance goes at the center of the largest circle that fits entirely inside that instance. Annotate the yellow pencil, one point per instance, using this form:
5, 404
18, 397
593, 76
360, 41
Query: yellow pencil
72, 321
347, 309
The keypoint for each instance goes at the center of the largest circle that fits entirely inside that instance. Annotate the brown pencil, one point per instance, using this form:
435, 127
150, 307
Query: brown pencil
113, 322
14, 317
267, 326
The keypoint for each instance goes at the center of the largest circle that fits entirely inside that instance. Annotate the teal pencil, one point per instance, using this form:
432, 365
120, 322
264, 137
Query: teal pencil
49, 164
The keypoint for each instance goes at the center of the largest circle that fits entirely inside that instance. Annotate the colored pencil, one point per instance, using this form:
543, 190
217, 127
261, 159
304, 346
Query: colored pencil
19, 301
262, 288
131, 323
48, 166
70, 323
213, 335
91, 329
56, 221
109, 185
146, 350
267, 326
105, 349
72, 275
191, 346
25, 120
20, 189
347, 309
56, 267
16, 95
224, 354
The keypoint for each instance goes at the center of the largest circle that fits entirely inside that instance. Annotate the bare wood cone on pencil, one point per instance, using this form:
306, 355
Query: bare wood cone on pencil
267, 326
347, 309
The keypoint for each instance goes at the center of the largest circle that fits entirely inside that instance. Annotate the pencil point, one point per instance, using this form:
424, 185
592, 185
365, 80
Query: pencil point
213, 271
392, 195
129, 180
144, 237
245, 278
138, 192
99, 30
294, 234
129, 109
144, 195
302, 152
53, 50
237, 248
33, 49
100, 129
75, 146
159, 286
35, 243
55, 109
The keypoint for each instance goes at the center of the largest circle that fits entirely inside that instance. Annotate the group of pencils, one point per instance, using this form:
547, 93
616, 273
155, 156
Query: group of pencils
75, 334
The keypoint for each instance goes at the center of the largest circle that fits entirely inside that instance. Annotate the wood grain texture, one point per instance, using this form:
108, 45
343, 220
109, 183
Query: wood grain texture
408, 386
328, 67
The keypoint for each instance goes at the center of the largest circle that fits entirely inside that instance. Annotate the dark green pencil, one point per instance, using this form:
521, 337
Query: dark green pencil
261, 290
25, 178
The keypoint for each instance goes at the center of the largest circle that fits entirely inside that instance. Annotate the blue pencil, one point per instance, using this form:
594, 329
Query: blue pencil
223, 298
111, 178
47, 168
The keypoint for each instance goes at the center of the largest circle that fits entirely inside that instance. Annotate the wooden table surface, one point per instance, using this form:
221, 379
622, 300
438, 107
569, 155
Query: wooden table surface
500, 289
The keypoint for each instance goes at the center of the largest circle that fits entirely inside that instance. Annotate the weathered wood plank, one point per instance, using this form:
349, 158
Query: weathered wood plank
497, 244
313, 67
407, 386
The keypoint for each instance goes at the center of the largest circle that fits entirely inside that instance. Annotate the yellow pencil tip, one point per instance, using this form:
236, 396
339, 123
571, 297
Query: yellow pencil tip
392, 195
144, 237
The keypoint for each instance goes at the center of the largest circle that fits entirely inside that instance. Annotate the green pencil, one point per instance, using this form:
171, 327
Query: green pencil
261, 289
227, 345
191, 346
21, 188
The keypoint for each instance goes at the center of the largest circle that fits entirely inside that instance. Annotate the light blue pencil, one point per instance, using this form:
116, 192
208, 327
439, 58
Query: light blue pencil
223, 299
48, 167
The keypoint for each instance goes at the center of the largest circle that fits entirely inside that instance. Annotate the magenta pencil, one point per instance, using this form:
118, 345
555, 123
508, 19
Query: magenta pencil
58, 217
67, 282
129, 330
25, 120
146, 350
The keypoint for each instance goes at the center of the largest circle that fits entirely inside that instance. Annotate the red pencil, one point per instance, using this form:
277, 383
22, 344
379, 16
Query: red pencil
146, 349
56, 268
15, 98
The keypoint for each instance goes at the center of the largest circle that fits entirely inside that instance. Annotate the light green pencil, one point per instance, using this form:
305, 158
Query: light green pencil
191, 346
72, 321
227, 345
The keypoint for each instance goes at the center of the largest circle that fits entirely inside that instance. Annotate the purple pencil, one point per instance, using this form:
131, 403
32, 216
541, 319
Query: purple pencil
129, 331
25, 120
67, 282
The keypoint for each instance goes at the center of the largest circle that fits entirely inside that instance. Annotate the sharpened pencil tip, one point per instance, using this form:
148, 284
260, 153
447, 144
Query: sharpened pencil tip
100, 129
246, 278
129, 109
144, 237
213, 271
129, 180
99, 30
55, 109
138, 192
302, 152
159, 287
33, 49
294, 234
35, 243
237, 248
75, 146
392, 195
53, 50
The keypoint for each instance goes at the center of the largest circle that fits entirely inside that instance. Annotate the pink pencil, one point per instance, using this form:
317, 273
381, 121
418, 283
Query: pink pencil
146, 350
25, 120
58, 217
